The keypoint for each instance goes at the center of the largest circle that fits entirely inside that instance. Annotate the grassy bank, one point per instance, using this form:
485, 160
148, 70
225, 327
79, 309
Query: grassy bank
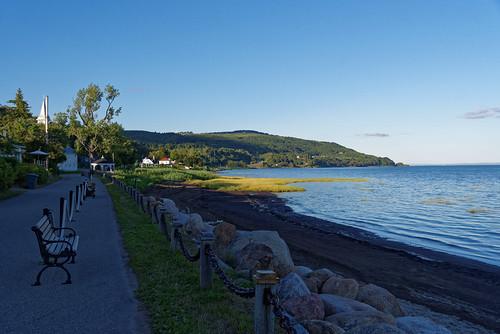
143, 178
10, 193
227, 183
169, 284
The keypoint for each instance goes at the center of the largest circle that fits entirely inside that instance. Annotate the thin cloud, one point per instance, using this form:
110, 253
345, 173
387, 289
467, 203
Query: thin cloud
376, 134
484, 113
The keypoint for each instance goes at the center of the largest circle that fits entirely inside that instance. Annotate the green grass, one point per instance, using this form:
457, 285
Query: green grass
9, 193
226, 183
169, 284
142, 178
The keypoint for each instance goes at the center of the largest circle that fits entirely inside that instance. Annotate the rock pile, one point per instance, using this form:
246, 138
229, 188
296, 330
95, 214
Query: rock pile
323, 301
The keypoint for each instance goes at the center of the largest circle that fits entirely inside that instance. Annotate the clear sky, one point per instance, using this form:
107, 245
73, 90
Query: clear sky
417, 81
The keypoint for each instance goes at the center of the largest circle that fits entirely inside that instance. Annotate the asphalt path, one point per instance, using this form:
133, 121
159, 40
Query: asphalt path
101, 298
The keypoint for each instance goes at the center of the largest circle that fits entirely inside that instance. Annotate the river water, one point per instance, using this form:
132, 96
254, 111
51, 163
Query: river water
454, 209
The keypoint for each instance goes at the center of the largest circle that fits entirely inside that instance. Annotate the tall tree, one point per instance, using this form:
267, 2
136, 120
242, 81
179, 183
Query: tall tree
95, 134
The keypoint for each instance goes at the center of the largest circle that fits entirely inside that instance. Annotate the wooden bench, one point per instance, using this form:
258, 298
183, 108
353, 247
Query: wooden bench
56, 246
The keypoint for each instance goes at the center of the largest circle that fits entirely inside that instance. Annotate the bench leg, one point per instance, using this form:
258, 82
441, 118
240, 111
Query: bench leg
37, 282
68, 275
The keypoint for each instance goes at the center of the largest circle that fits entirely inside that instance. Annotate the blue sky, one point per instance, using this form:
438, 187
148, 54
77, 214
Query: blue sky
418, 81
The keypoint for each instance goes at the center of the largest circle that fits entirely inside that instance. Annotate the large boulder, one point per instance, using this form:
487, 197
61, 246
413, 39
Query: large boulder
321, 327
302, 271
195, 225
282, 262
313, 283
376, 329
291, 286
307, 307
322, 275
380, 298
253, 257
345, 287
181, 218
169, 206
224, 234
350, 320
420, 325
336, 304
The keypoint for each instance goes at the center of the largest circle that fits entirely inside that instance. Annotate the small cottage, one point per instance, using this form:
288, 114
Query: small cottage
103, 165
166, 161
146, 162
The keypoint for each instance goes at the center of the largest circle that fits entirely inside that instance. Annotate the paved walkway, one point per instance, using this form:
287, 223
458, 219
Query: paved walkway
101, 298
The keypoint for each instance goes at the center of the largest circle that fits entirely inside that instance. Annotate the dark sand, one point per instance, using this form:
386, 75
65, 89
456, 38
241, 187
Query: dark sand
447, 284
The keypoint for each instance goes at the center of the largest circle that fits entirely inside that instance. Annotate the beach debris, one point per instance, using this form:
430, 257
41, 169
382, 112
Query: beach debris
302, 271
380, 298
350, 320
321, 327
308, 307
291, 286
376, 329
344, 287
337, 304
420, 325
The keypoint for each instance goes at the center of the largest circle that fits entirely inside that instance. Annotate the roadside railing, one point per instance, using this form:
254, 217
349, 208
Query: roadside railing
267, 306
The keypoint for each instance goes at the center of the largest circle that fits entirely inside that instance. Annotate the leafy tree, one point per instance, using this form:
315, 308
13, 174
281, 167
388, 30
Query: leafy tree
94, 135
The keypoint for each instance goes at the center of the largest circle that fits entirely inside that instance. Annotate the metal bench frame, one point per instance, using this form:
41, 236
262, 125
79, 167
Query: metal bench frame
60, 258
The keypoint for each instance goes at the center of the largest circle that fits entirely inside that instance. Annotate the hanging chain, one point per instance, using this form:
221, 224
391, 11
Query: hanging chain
185, 252
286, 321
240, 291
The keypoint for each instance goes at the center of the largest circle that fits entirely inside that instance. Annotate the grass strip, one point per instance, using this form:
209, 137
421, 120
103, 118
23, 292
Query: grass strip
229, 183
169, 284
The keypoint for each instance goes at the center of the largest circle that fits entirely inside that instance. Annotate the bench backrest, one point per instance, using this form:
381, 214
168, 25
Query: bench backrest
44, 231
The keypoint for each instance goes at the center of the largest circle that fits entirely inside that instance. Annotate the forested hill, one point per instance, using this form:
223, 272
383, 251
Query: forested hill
245, 147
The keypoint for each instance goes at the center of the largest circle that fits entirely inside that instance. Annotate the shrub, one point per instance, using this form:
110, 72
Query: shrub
43, 175
8, 174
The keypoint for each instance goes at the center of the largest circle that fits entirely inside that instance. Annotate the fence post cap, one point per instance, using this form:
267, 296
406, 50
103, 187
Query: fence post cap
266, 277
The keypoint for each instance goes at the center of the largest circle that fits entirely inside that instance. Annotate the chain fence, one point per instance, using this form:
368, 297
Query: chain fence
184, 250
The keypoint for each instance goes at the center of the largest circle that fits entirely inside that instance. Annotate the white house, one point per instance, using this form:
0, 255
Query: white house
103, 165
166, 161
146, 162
71, 163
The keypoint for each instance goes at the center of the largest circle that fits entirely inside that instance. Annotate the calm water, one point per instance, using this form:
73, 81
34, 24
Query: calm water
455, 209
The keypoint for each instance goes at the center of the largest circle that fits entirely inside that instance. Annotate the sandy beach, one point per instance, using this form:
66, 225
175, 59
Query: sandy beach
448, 284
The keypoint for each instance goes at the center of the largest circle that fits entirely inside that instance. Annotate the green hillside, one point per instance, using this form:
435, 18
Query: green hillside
244, 148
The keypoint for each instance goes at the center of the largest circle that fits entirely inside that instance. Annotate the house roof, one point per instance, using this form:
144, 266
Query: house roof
165, 159
102, 161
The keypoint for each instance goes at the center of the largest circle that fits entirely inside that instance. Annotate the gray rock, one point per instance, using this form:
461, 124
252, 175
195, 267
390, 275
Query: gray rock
253, 257
309, 307
169, 206
380, 298
420, 325
181, 218
322, 275
375, 329
345, 287
322, 327
336, 304
195, 225
224, 234
282, 262
291, 286
313, 283
302, 271
350, 320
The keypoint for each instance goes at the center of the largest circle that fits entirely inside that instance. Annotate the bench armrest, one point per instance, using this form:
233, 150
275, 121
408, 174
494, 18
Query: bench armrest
65, 228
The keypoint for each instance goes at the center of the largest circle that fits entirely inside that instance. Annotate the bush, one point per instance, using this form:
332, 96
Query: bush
8, 174
43, 175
